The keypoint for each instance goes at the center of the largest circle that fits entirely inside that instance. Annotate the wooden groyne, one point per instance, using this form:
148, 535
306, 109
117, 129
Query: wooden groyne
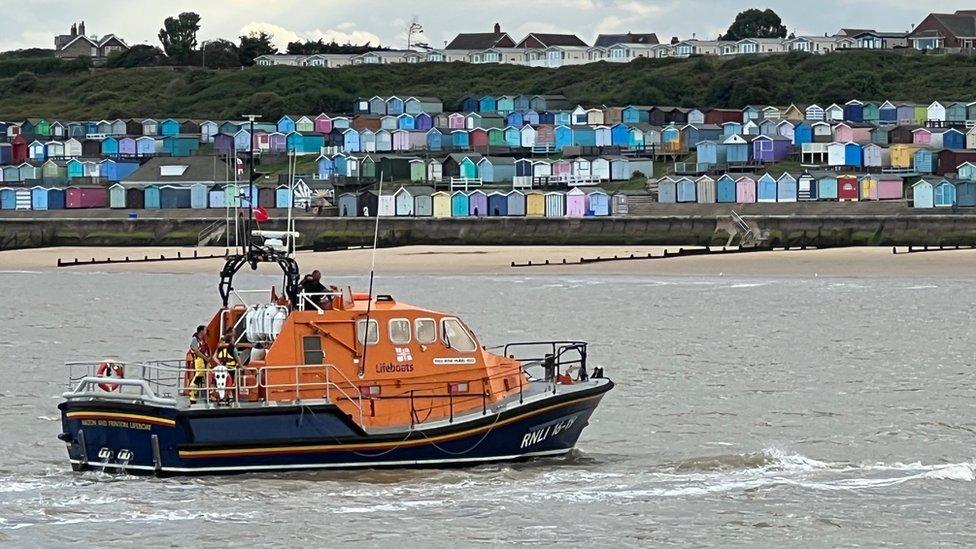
666, 254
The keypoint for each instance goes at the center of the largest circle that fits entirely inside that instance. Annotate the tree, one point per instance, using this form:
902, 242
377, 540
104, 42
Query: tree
754, 23
309, 47
254, 45
140, 55
179, 36
220, 54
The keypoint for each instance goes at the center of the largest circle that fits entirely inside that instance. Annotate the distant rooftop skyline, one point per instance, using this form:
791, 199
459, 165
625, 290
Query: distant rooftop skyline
34, 24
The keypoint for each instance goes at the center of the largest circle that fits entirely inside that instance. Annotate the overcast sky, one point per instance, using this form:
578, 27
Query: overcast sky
33, 23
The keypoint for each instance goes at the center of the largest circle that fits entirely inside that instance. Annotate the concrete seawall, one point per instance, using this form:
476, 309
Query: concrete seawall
327, 232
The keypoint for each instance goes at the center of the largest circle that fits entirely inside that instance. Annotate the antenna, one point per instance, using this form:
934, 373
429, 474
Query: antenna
372, 270
250, 180
290, 242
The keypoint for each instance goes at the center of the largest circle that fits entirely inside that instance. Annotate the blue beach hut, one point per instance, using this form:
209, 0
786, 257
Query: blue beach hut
725, 188
459, 204
766, 189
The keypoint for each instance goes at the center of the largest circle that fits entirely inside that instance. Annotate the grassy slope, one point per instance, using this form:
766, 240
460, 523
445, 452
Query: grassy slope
779, 79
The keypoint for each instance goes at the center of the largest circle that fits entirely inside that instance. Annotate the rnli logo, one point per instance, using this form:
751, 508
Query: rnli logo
403, 354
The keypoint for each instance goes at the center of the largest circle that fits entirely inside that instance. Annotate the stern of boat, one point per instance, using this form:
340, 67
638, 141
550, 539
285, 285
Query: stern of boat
119, 424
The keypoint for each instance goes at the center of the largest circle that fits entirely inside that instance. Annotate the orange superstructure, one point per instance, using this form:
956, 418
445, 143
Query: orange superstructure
416, 365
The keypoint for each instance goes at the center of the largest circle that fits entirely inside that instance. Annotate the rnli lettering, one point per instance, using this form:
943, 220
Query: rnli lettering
388, 368
543, 432
115, 423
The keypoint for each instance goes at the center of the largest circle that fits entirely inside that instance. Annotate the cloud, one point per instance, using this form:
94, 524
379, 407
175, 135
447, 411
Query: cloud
344, 33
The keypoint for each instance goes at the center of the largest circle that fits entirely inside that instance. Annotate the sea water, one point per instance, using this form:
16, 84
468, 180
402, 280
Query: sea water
747, 412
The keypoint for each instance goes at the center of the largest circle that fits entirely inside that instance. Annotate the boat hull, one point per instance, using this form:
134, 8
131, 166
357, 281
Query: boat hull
163, 441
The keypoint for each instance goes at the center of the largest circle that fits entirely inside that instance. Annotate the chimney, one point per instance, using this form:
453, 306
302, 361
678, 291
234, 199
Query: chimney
81, 28
498, 28
74, 29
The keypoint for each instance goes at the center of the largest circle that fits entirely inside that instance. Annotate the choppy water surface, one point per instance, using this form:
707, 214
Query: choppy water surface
748, 412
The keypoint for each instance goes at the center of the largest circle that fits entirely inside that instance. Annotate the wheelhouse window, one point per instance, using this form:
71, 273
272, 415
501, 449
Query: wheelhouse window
456, 337
372, 336
312, 348
399, 331
426, 330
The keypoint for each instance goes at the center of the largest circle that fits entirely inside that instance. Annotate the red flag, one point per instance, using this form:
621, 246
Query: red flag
261, 215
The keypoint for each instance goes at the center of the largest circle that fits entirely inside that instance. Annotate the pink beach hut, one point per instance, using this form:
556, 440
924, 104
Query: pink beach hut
575, 203
745, 190
401, 140
323, 123
922, 136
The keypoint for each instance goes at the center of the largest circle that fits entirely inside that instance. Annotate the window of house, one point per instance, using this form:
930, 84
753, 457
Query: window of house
399, 331
426, 330
312, 348
456, 337
372, 336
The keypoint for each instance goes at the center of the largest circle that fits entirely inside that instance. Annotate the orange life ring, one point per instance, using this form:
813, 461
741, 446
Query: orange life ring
110, 369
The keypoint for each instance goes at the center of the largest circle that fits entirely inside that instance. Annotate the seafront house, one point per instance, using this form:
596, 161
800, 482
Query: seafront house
77, 44
952, 32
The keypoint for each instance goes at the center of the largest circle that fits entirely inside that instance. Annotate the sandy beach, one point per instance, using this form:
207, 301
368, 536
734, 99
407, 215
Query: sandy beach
497, 260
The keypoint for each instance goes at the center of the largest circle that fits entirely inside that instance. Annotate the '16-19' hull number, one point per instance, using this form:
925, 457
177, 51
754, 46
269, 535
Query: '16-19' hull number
542, 432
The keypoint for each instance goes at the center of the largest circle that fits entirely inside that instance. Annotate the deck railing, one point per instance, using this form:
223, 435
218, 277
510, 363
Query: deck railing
175, 383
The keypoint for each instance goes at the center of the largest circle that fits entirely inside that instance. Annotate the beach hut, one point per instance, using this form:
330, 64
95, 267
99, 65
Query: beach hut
745, 190
151, 197
555, 204
39, 198
848, 188
86, 196
890, 187
403, 199
477, 204
725, 189
925, 161
174, 197
56, 198
435, 170
116, 196
806, 187
460, 205
283, 196
597, 203
827, 187
667, 190
705, 190
215, 197
853, 155
575, 203
736, 149
923, 195
199, 196
868, 187
348, 205
535, 204
384, 202
945, 194
497, 204
8, 198
786, 188
515, 203
966, 193
442, 204
766, 189
22, 198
